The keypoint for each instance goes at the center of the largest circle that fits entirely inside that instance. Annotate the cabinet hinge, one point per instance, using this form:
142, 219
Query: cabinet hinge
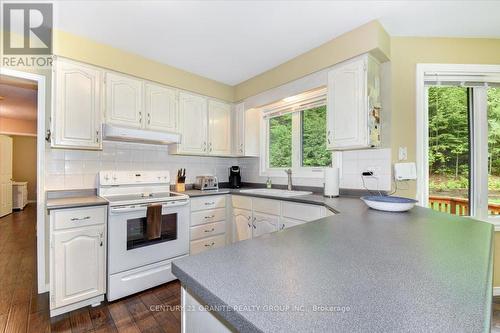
48, 135
52, 299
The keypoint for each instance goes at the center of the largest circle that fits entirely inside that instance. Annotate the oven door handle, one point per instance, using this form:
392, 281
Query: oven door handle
136, 208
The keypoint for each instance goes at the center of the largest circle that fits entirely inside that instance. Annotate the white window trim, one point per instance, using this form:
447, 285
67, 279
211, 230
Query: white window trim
480, 190
297, 169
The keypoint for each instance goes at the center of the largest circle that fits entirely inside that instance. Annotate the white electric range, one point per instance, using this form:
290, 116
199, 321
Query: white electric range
136, 263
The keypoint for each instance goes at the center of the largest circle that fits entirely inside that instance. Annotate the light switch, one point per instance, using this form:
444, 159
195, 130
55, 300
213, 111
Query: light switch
403, 153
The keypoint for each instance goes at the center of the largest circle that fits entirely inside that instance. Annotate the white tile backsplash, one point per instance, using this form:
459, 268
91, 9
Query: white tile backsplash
76, 169
353, 164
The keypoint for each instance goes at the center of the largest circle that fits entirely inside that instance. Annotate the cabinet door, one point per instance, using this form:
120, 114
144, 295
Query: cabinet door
252, 132
161, 108
286, 223
76, 115
193, 124
219, 130
264, 224
347, 109
242, 223
78, 265
239, 130
124, 100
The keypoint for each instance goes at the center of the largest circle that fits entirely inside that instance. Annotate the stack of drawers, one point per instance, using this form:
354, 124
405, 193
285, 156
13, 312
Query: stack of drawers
208, 223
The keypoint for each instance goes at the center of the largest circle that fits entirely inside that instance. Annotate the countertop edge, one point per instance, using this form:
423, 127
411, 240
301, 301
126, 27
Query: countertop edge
234, 318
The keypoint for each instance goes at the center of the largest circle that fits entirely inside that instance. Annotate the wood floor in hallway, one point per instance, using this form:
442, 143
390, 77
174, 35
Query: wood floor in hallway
22, 309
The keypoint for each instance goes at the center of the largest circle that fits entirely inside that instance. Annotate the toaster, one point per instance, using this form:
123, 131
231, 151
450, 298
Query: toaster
205, 183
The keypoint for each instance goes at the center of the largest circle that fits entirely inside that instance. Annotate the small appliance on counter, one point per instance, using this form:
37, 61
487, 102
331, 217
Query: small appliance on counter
206, 183
234, 177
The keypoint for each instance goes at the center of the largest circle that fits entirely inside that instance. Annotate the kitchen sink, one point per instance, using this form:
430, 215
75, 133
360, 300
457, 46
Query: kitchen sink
275, 192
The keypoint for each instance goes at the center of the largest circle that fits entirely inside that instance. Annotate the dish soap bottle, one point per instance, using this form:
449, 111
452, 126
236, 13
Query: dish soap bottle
268, 183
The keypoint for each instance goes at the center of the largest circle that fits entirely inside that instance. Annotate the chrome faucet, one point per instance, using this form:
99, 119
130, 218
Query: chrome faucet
289, 173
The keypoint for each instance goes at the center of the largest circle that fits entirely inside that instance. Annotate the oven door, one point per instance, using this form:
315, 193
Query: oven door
128, 243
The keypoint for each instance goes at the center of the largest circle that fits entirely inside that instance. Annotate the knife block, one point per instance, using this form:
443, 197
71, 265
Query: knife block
180, 187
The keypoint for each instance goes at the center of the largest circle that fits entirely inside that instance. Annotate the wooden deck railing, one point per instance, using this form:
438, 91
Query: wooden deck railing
457, 206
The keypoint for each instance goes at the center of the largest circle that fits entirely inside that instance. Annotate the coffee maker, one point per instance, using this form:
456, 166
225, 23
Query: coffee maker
234, 177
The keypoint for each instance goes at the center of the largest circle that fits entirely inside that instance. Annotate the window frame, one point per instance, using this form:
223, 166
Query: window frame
295, 106
478, 186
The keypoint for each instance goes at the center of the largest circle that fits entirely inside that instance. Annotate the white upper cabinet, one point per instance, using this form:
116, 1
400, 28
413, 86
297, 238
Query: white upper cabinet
204, 125
76, 114
246, 125
219, 130
353, 92
124, 100
239, 129
252, 132
161, 108
193, 124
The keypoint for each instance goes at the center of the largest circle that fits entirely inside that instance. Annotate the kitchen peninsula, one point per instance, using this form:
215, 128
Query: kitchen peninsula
360, 270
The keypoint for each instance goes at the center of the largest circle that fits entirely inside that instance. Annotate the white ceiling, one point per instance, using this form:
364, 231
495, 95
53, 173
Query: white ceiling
232, 41
19, 98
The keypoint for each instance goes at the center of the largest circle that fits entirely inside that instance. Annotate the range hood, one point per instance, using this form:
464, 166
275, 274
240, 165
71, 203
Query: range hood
124, 134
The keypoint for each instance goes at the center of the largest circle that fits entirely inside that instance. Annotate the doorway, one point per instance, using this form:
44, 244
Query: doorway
37, 82
458, 144
18, 143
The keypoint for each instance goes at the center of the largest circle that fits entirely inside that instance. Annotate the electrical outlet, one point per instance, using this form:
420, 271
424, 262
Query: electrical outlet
403, 153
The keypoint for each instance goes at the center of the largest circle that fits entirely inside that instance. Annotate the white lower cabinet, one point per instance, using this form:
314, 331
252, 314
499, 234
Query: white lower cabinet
208, 223
264, 223
77, 258
242, 222
286, 223
254, 217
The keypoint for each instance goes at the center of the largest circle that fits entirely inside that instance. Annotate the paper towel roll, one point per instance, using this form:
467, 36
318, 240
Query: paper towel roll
332, 182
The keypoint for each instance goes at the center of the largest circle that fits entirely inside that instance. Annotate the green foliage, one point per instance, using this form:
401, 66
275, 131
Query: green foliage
494, 131
314, 151
448, 131
280, 141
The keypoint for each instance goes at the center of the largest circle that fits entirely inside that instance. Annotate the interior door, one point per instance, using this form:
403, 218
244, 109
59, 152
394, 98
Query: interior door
5, 175
219, 131
193, 124
242, 224
264, 224
161, 108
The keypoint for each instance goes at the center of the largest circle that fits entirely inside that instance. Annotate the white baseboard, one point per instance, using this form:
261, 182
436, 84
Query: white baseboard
496, 291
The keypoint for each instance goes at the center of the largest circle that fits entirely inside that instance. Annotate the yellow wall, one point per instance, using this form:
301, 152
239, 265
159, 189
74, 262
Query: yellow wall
370, 37
406, 53
24, 162
86, 50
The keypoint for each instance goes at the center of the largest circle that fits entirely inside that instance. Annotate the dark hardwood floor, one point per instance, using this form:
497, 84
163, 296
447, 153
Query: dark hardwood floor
22, 309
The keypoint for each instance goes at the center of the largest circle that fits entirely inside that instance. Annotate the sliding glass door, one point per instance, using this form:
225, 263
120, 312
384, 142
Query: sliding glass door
464, 149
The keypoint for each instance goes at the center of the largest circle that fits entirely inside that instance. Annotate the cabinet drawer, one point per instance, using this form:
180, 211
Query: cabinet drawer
241, 202
207, 216
205, 244
302, 212
267, 206
206, 230
79, 217
208, 202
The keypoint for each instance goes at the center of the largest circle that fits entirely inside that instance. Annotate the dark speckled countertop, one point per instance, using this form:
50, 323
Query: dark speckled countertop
358, 271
